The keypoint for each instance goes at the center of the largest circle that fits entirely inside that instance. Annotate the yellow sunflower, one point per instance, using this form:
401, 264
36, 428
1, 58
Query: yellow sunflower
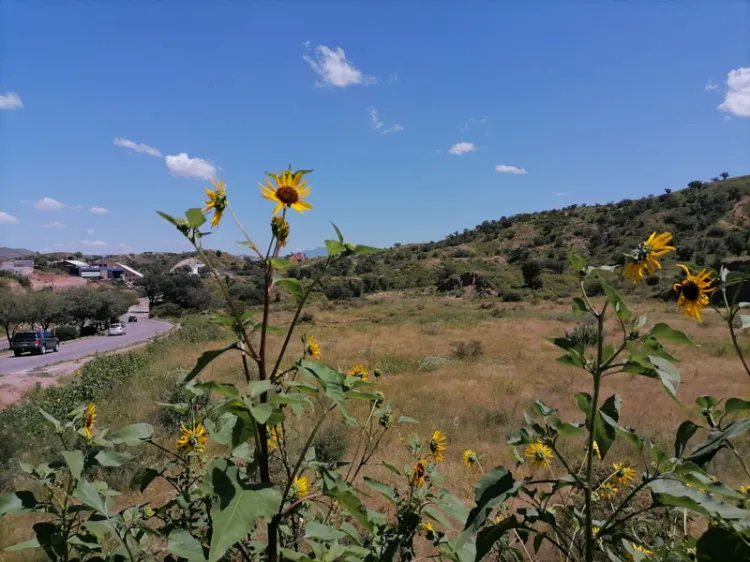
639, 548
313, 349
745, 490
597, 452
358, 371
289, 191
643, 259
539, 455
301, 486
217, 200
693, 291
624, 475
192, 439
89, 421
418, 473
437, 445
471, 459
273, 438
607, 491
427, 530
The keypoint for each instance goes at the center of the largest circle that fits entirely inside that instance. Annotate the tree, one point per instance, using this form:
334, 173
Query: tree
724, 175
12, 311
695, 184
667, 191
45, 307
531, 271
715, 179
152, 287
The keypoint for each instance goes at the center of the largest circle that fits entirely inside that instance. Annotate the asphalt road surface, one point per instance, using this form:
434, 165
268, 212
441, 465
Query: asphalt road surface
72, 350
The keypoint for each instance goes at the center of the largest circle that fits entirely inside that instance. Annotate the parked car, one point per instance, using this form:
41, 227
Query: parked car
132, 318
117, 330
34, 341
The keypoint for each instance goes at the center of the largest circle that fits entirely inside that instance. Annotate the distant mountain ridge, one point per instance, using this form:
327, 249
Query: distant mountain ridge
13, 253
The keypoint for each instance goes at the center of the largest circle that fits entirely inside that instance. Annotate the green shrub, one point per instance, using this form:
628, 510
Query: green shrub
467, 350
67, 333
511, 296
583, 334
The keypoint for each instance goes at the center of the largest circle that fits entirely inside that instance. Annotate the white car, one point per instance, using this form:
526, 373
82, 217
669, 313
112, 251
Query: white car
117, 330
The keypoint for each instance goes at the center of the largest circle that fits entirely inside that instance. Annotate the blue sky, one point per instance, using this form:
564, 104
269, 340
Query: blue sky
483, 110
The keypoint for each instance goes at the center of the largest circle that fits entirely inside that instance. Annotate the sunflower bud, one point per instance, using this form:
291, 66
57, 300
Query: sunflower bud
377, 373
280, 229
386, 420
380, 398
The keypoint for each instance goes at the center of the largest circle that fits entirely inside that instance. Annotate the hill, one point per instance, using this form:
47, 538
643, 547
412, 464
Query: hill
710, 223
13, 253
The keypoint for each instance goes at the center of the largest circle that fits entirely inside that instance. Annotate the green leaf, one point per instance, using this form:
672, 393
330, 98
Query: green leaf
168, 218
132, 435
338, 233
605, 428
225, 389
332, 383
406, 419
144, 477
704, 452
181, 407
334, 247
74, 460
85, 492
195, 217
673, 492
492, 489
720, 544
315, 530
183, 545
684, 433
736, 405
383, 489
204, 360
579, 307
262, 412
577, 262
112, 458
615, 300
292, 286
50, 418
281, 263
706, 402
665, 372
488, 536
570, 430
745, 319
31, 543
359, 250
16, 503
256, 388
238, 509
662, 331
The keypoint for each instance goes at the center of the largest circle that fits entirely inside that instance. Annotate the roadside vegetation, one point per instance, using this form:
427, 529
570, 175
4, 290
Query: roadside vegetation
406, 425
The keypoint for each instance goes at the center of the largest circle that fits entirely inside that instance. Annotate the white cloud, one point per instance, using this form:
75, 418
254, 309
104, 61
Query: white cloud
393, 77
11, 100
99, 210
138, 147
5, 218
505, 169
472, 122
737, 97
54, 224
462, 148
376, 122
331, 65
561, 194
182, 165
124, 246
44, 250
89, 231
395, 128
93, 243
710, 86
48, 204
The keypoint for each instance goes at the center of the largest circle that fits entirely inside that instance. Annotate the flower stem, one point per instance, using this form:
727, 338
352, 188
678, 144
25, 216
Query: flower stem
590, 453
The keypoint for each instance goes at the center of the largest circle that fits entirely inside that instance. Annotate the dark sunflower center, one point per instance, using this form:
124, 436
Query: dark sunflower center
691, 291
287, 195
540, 456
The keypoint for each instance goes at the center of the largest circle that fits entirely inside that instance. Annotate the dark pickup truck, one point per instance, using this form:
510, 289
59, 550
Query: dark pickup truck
37, 341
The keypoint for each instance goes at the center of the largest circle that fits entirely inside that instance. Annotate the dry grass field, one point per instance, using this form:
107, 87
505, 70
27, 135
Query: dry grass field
476, 400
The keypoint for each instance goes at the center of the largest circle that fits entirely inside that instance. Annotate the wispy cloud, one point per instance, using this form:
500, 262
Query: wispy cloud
710, 86
737, 97
6, 218
379, 125
11, 100
138, 147
334, 69
462, 148
393, 77
561, 194
184, 166
124, 246
505, 169
89, 231
93, 243
471, 123
54, 224
99, 210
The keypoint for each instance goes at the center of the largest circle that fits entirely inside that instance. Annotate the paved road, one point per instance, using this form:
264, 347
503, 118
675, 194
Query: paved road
72, 350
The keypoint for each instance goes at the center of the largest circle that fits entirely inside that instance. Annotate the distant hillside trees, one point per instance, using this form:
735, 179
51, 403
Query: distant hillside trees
176, 292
